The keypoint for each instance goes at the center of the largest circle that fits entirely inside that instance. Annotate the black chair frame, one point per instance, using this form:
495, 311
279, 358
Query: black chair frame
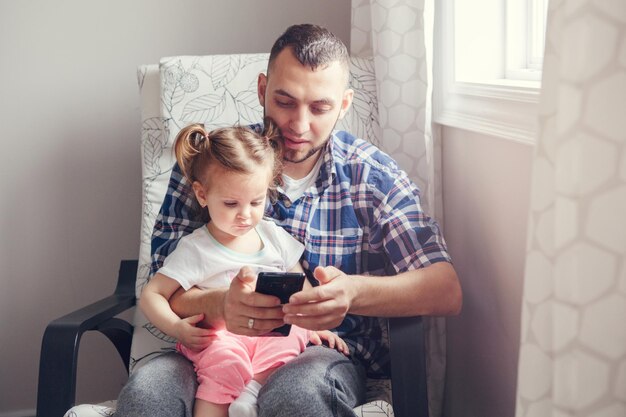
61, 341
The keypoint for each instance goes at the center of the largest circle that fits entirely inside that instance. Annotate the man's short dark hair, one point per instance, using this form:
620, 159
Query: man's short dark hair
313, 46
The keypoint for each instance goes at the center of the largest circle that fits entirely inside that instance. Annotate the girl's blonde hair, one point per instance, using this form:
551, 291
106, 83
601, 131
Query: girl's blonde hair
236, 149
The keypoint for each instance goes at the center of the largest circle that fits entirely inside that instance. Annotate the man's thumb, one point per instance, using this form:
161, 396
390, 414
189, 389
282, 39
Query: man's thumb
324, 274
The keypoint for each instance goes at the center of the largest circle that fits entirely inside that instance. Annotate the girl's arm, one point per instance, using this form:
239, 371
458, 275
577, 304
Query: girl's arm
154, 303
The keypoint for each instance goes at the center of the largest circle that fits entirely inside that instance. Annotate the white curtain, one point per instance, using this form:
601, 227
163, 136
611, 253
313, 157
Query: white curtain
573, 345
399, 35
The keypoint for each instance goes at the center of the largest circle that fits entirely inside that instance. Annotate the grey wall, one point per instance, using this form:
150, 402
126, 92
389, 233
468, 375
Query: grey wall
70, 188
486, 185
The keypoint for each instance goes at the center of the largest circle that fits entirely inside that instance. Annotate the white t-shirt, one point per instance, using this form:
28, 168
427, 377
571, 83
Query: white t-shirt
200, 260
294, 189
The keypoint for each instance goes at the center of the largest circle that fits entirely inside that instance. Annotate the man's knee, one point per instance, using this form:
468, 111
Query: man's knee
317, 382
165, 385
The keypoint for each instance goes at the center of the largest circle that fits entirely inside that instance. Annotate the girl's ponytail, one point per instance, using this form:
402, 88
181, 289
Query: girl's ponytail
271, 133
192, 143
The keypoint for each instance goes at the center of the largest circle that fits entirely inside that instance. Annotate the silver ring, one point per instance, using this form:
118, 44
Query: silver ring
250, 323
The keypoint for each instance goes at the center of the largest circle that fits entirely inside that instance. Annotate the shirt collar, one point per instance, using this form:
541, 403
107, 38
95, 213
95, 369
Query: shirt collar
328, 170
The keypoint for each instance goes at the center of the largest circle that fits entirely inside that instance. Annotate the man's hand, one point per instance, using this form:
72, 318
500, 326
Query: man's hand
247, 312
323, 307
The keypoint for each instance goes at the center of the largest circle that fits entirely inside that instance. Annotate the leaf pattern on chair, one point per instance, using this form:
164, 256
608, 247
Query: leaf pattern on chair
172, 95
178, 81
143, 272
362, 118
134, 362
153, 144
204, 108
251, 59
247, 104
146, 229
158, 333
375, 409
224, 69
106, 409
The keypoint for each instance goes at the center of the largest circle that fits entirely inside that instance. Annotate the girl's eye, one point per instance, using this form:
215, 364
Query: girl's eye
256, 203
229, 204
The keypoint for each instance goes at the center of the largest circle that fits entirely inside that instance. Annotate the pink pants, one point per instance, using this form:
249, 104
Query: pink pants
226, 366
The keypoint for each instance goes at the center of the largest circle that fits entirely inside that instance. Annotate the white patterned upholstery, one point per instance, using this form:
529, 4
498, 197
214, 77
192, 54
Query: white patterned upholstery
217, 90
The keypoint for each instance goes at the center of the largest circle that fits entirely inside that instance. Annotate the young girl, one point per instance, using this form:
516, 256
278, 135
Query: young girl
231, 170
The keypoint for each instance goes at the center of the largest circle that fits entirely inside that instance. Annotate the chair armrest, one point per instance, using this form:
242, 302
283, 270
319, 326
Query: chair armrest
408, 367
59, 350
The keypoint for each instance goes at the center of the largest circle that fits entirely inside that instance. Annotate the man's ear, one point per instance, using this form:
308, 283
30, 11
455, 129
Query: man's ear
346, 102
200, 192
261, 85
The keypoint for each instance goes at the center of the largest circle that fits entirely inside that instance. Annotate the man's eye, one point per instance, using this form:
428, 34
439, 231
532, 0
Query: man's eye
320, 110
285, 104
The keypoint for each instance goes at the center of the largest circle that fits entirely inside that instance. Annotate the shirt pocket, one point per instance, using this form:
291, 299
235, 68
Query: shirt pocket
341, 250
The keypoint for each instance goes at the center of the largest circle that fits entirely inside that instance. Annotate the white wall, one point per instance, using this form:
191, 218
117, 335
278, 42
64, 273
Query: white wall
70, 189
486, 186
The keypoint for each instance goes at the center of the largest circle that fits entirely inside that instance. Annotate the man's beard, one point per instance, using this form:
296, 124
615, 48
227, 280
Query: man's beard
309, 154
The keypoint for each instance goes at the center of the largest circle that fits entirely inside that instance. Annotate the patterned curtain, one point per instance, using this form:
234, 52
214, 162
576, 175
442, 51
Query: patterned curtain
573, 346
399, 36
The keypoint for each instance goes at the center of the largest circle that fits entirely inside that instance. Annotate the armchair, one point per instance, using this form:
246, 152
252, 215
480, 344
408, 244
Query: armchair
219, 90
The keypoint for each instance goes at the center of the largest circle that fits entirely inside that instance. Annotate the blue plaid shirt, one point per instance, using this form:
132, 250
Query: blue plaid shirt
363, 216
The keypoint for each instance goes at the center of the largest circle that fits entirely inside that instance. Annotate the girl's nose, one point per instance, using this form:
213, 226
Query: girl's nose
244, 213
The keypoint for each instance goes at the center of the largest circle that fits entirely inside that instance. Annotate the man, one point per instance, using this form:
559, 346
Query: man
367, 243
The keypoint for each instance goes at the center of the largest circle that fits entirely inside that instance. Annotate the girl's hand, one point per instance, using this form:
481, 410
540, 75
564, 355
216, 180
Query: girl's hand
334, 341
191, 336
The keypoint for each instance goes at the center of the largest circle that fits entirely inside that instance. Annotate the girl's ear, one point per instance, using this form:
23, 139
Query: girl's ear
200, 192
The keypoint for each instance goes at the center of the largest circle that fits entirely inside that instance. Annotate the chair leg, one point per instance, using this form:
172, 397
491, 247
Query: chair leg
408, 367
57, 373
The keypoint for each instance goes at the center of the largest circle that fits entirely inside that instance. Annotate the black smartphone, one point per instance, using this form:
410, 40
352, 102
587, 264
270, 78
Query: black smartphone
281, 285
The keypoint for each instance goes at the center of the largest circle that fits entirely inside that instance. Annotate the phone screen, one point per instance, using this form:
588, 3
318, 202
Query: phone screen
281, 285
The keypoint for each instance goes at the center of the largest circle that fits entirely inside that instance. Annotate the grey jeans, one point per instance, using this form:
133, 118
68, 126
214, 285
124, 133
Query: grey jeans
319, 382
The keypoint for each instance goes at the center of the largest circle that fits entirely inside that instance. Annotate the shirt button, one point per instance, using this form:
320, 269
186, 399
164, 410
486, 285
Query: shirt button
287, 203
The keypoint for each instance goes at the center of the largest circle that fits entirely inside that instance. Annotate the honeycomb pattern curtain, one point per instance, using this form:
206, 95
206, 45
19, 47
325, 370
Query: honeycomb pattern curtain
573, 345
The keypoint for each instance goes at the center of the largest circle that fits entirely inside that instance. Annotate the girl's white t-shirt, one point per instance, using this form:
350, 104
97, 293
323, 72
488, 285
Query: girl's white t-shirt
200, 260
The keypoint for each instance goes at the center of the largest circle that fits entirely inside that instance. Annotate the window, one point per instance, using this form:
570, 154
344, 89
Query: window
488, 65
525, 38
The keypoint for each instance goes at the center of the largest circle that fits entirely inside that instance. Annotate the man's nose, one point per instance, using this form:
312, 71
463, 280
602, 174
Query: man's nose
299, 121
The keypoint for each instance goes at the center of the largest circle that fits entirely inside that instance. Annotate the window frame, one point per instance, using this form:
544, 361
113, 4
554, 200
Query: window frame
500, 107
